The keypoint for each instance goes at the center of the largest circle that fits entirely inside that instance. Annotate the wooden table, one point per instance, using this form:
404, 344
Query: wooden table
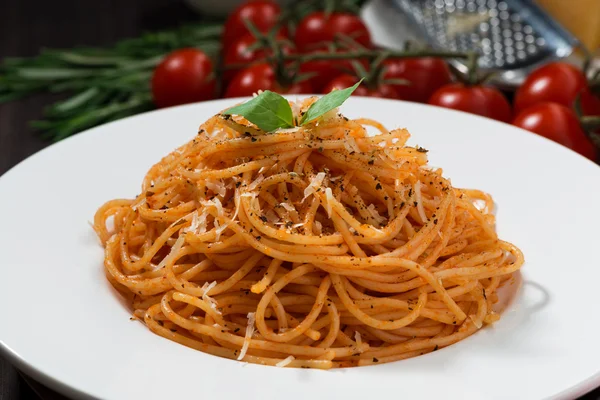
27, 26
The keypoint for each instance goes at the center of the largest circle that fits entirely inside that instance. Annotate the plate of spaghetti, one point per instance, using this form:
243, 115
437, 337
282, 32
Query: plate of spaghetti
272, 247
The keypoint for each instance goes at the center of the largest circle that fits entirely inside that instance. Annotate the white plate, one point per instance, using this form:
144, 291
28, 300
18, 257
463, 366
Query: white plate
62, 322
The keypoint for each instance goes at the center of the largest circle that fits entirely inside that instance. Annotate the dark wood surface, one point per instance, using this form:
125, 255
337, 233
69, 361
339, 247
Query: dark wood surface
25, 28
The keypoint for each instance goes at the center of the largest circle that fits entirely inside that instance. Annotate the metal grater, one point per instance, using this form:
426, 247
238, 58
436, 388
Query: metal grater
511, 35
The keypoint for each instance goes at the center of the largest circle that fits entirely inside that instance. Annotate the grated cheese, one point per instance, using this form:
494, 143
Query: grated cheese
217, 187
207, 288
357, 338
174, 250
351, 145
318, 227
248, 336
287, 206
329, 199
285, 362
214, 203
272, 217
373, 211
315, 182
256, 182
288, 130
329, 115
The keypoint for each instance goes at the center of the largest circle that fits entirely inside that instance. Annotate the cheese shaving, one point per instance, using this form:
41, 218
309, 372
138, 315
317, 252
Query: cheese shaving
174, 250
248, 336
207, 288
318, 227
315, 182
194, 224
329, 198
357, 338
373, 211
272, 217
288, 130
249, 194
214, 203
217, 187
287, 206
351, 145
256, 182
285, 362
329, 115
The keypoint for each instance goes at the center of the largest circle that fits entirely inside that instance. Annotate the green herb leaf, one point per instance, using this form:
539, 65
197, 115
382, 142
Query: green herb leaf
327, 103
268, 111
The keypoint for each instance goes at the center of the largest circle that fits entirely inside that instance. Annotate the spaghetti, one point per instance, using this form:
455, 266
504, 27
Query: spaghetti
317, 246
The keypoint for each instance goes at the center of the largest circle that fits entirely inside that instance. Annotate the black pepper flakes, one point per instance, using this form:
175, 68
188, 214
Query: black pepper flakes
375, 359
253, 139
378, 186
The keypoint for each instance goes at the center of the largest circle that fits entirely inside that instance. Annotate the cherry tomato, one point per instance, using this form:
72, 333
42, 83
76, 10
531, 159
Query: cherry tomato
480, 100
346, 80
317, 28
558, 123
184, 76
263, 14
261, 77
241, 52
556, 82
590, 103
426, 75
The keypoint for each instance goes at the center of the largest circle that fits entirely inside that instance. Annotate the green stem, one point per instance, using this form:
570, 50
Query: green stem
370, 54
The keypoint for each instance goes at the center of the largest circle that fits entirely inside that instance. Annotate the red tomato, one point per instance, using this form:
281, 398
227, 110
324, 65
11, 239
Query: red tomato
263, 14
590, 103
183, 76
556, 122
346, 80
262, 77
426, 75
240, 52
480, 100
317, 28
556, 82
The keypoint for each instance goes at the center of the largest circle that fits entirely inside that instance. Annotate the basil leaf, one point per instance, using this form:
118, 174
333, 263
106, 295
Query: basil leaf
268, 111
327, 103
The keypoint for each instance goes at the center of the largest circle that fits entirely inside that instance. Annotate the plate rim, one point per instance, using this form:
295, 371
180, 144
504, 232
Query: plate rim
590, 383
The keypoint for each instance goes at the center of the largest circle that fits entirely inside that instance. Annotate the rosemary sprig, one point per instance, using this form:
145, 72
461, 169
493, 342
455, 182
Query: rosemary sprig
106, 83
